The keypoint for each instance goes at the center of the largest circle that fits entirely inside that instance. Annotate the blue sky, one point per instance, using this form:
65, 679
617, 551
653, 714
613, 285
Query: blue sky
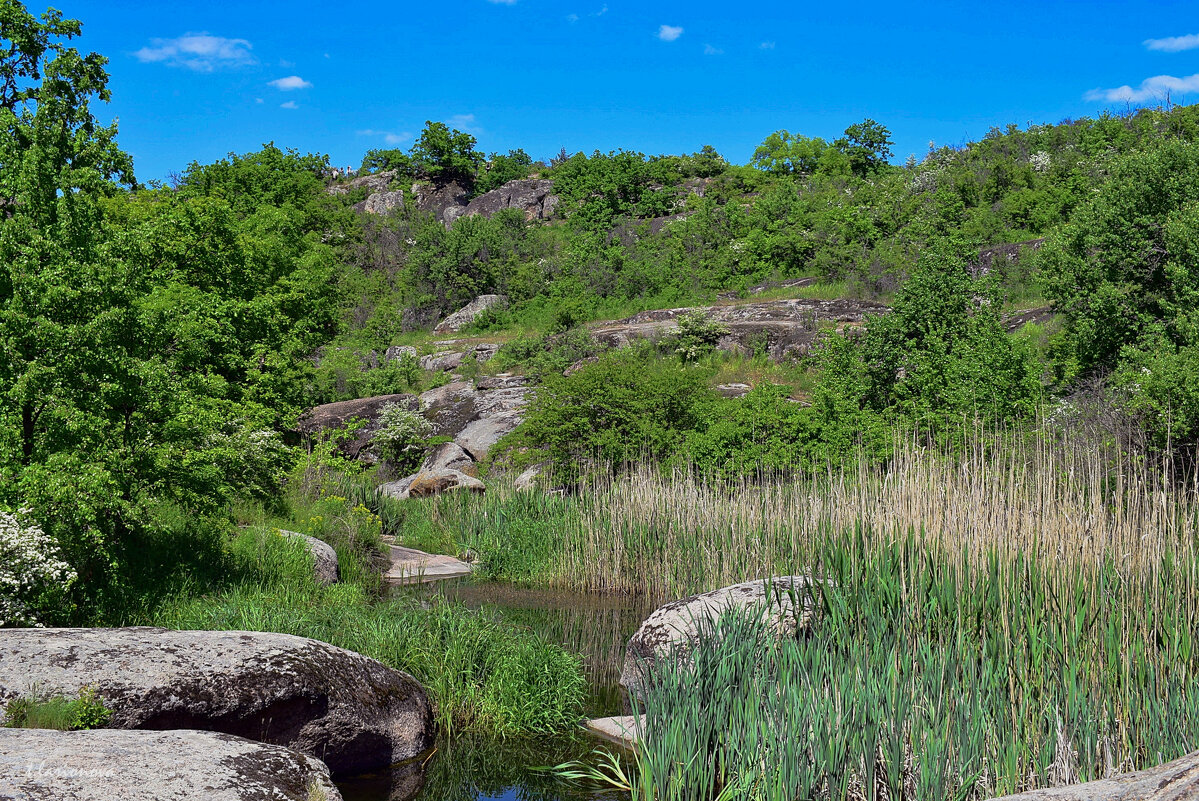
196, 80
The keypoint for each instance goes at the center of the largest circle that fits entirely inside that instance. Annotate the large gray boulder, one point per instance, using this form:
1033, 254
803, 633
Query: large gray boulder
467, 314
479, 436
428, 483
447, 202
383, 202
353, 712
1173, 781
449, 407
534, 197
332, 416
101, 765
442, 361
670, 632
449, 455
377, 182
324, 558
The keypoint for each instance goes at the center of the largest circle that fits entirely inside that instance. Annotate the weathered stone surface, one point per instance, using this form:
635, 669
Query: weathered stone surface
434, 482
442, 361
485, 351
351, 711
397, 490
782, 328
449, 455
397, 352
622, 730
1018, 319
324, 558
373, 183
383, 202
501, 402
530, 477
534, 197
447, 202
1173, 781
467, 314
479, 436
501, 381
106, 764
336, 415
733, 390
450, 407
998, 257
410, 566
669, 632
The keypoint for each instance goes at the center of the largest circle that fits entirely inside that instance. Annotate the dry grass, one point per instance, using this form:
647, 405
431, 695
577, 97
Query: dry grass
1068, 504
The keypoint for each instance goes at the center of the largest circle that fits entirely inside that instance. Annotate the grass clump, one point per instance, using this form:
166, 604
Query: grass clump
483, 675
87, 711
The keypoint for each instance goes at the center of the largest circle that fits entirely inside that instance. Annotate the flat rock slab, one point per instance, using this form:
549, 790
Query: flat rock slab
105, 764
410, 566
622, 730
352, 712
1173, 781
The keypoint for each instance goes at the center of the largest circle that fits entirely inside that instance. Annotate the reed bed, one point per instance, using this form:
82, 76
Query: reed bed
669, 533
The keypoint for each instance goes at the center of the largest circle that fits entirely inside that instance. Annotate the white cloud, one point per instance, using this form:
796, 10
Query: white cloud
289, 83
1173, 44
766, 46
668, 33
503, 2
465, 122
197, 51
258, 100
572, 18
712, 51
289, 104
1155, 88
602, 11
390, 137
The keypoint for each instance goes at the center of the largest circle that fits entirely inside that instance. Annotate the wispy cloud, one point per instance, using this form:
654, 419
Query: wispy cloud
290, 83
1174, 44
289, 104
503, 2
766, 46
668, 33
712, 51
465, 122
1155, 88
201, 52
390, 137
572, 18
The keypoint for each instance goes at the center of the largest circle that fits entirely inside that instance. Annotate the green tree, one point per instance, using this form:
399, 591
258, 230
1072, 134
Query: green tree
867, 144
395, 159
504, 168
784, 153
446, 154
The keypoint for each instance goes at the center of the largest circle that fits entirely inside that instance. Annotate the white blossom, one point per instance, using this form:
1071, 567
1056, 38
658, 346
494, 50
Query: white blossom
30, 563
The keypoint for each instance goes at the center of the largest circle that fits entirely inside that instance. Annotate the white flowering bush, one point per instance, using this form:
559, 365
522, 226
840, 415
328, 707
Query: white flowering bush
1040, 161
402, 435
31, 565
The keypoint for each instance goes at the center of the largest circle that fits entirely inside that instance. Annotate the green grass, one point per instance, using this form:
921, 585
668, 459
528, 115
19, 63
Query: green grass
484, 676
86, 711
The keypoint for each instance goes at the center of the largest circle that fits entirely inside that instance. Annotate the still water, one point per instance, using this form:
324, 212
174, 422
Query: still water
473, 769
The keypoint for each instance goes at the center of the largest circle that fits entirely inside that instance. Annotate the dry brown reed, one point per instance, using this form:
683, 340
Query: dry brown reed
1070, 504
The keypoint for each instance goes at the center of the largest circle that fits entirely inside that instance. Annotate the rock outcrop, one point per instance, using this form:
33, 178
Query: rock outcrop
353, 712
446, 202
479, 436
100, 765
336, 415
382, 202
428, 483
534, 198
449, 407
324, 558
670, 631
1173, 781
781, 328
378, 182
998, 257
467, 314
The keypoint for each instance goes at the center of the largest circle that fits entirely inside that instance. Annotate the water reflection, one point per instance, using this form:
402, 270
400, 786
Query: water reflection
471, 769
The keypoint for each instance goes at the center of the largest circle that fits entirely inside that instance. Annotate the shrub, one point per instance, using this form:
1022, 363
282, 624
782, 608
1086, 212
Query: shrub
402, 436
58, 712
32, 570
697, 335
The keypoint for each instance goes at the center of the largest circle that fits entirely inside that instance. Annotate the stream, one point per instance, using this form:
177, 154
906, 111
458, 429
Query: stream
472, 769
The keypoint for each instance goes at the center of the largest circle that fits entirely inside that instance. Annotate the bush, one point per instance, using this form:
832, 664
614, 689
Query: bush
697, 335
402, 436
32, 570
58, 712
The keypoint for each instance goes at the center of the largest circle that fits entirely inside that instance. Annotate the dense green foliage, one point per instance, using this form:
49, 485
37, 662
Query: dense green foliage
86, 711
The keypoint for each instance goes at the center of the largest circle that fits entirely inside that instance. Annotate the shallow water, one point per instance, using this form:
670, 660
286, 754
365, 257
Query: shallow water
473, 769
